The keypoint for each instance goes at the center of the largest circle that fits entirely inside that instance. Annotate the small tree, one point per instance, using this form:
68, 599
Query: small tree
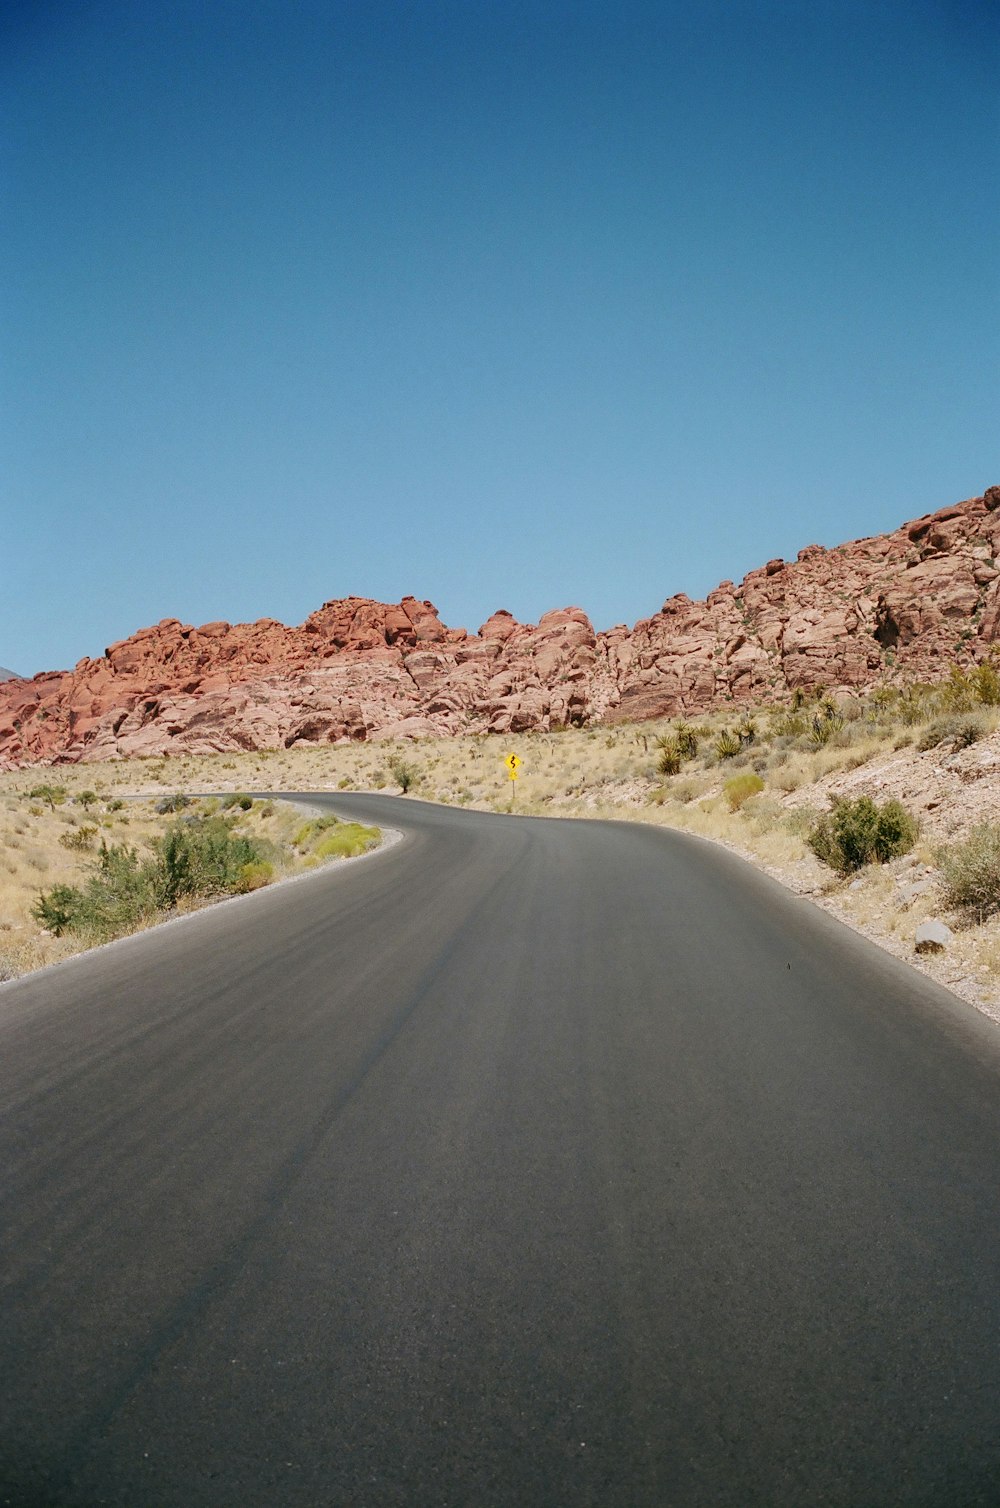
403, 774
86, 799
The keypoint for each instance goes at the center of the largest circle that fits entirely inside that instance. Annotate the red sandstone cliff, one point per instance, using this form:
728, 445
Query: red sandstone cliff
896, 605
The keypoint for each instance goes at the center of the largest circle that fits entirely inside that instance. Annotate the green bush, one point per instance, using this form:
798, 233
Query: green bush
79, 839
740, 788
203, 858
175, 803
403, 774
970, 871
347, 842
123, 890
312, 829
56, 909
857, 832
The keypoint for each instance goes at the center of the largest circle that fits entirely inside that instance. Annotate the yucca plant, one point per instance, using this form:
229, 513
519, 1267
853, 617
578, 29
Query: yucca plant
727, 744
669, 759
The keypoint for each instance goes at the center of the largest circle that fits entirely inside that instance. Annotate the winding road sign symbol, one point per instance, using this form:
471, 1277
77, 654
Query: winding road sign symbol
513, 764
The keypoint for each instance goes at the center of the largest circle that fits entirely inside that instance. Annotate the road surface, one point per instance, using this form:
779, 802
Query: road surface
529, 1163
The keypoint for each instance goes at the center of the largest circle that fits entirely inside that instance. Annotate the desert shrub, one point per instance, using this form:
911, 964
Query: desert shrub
122, 890
56, 909
119, 893
985, 683
243, 801
969, 731
857, 831
86, 799
115, 805
747, 731
79, 840
312, 829
788, 778
727, 744
52, 795
960, 732
788, 725
335, 839
958, 691
740, 788
970, 871
827, 721
175, 803
907, 704
203, 858
255, 875
403, 774
800, 820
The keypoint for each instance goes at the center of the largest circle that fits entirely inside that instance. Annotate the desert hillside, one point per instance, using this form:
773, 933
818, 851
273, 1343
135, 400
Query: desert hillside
888, 608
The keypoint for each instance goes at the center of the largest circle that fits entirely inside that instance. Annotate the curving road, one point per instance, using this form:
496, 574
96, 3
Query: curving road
528, 1163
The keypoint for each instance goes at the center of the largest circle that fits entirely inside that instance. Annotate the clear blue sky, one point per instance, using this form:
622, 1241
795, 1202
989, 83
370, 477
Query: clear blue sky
501, 304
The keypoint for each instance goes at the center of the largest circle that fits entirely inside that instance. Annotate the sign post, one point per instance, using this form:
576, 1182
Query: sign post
513, 765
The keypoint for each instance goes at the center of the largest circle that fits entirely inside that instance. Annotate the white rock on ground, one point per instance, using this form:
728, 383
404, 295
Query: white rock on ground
932, 936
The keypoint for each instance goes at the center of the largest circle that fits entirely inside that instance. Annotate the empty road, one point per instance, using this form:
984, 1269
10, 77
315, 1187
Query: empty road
527, 1162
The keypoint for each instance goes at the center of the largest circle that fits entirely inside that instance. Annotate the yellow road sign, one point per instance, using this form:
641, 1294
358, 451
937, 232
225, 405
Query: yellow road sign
513, 764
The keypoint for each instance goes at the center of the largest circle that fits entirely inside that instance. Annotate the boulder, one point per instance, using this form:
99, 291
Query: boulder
932, 936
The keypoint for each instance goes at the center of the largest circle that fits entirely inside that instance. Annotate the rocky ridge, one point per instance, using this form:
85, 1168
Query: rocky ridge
891, 607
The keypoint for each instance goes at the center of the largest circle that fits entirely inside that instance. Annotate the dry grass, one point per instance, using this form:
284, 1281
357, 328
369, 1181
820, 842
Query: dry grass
34, 854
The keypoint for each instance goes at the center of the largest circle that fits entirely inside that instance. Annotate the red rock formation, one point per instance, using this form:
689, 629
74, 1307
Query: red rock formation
896, 606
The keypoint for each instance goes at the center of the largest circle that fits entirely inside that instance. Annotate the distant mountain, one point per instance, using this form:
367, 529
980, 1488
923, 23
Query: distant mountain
899, 606
8, 675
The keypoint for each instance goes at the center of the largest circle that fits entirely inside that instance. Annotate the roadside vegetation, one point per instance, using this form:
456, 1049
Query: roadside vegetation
80, 867
878, 804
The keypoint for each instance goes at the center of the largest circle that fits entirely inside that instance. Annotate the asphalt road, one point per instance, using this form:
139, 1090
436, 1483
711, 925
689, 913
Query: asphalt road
526, 1163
